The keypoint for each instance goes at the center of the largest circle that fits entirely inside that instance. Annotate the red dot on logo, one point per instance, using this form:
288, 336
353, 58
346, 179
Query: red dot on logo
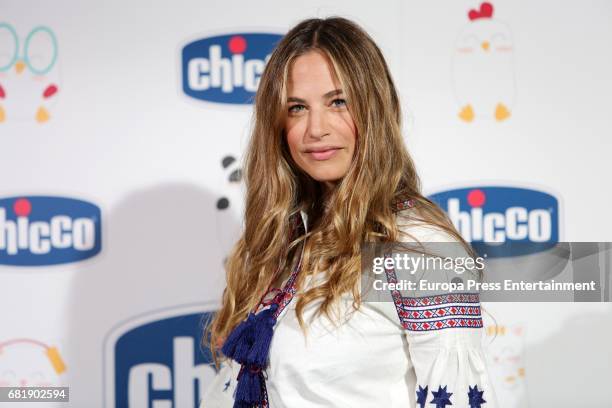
22, 207
237, 44
476, 198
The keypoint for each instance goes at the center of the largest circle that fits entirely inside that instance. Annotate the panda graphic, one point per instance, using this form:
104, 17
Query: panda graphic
230, 205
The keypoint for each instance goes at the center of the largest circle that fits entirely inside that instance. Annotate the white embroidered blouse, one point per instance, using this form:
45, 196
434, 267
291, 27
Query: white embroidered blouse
432, 356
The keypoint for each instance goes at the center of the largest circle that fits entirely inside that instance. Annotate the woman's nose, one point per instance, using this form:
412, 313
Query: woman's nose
317, 126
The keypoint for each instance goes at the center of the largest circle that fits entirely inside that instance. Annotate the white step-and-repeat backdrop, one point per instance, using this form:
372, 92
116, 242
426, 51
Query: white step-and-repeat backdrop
123, 124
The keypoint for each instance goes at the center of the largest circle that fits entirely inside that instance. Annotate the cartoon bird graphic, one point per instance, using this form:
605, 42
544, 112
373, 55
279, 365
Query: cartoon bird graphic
483, 68
29, 73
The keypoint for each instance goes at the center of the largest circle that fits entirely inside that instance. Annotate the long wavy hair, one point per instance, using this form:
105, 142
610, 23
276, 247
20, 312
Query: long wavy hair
359, 209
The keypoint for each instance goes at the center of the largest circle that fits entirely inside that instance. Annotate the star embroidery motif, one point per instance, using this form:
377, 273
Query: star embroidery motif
475, 397
441, 397
422, 396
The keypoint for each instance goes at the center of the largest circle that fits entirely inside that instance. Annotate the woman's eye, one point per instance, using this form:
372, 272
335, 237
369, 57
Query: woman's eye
295, 108
339, 102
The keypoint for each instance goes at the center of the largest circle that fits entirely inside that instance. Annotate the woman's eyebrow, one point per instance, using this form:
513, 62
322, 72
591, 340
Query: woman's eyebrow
327, 95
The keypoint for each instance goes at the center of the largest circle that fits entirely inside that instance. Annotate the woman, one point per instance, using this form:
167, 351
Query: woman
326, 170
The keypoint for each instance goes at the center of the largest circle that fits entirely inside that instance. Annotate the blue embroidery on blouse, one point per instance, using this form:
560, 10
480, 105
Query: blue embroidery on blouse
422, 396
475, 397
227, 384
441, 397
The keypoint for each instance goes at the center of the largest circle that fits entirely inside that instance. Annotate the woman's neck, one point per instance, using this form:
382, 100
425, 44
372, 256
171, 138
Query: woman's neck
328, 188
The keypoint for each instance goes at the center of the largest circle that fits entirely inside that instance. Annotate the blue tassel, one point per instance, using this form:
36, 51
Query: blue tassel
243, 405
249, 342
248, 390
244, 342
237, 344
262, 337
249, 345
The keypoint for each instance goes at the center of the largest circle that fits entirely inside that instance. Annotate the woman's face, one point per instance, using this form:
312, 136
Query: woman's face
319, 128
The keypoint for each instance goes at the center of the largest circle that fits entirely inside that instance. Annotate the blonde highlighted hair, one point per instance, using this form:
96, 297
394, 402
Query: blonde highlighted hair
360, 208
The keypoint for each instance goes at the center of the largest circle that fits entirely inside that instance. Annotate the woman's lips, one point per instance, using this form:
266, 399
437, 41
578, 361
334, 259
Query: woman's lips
324, 154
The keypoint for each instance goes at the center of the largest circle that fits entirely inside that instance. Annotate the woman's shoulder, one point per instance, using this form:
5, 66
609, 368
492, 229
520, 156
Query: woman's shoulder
414, 226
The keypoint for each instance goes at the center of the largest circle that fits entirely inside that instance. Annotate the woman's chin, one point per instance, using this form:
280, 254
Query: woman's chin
327, 175
326, 178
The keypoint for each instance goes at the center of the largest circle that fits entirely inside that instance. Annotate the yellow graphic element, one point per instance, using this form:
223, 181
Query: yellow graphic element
42, 115
2, 115
20, 66
485, 45
501, 112
513, 378
499, 330
467, 113
56, 360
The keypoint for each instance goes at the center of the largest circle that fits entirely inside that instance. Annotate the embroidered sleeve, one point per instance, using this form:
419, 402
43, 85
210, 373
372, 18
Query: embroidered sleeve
444, 335
444, 338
